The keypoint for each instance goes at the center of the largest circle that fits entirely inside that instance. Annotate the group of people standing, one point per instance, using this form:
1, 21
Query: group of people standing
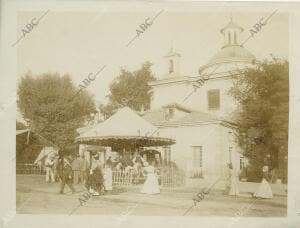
264, 190
96, 176
99, 178
79, 167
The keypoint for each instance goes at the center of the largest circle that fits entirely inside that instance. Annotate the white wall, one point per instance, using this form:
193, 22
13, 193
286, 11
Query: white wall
208, 136
215, 141
177, 92
199, 99
168, 93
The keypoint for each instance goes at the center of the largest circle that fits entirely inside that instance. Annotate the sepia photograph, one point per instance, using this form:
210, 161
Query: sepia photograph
152, 111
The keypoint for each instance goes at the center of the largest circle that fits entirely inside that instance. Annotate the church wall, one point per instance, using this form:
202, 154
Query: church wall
215, 140
168, 93
199, 99
175, 92
210, 137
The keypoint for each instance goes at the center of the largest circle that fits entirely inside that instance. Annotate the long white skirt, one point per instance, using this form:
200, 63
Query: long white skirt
234, 187
151, 185
264, 190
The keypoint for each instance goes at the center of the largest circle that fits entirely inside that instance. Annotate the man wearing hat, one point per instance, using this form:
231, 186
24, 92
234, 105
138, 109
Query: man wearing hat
65, 173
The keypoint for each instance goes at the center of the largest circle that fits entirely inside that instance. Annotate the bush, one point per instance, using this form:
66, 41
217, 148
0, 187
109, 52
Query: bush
253, 174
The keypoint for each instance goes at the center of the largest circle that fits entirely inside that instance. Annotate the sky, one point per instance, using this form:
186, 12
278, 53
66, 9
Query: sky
79, 43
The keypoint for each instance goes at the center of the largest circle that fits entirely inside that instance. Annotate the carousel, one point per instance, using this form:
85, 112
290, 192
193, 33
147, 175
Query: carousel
127, 135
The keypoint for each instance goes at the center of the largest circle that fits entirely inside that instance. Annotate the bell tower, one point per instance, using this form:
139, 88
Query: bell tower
231, 33
173, 63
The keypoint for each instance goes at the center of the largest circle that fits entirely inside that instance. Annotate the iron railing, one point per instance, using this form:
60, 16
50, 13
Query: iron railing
29, 169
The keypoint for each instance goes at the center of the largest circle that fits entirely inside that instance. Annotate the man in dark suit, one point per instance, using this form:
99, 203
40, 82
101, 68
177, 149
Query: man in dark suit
65, 173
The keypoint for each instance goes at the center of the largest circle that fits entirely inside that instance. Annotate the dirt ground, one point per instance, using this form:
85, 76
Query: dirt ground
34, 196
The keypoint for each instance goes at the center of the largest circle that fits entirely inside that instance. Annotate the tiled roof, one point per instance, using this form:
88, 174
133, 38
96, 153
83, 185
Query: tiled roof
157, 117
178, 106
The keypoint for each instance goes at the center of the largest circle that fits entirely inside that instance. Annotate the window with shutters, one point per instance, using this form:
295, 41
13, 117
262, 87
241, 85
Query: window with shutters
213, 97
197, 156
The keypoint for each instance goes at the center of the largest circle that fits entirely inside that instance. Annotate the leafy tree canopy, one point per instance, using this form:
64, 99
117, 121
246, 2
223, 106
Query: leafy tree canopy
130, 89
263, 95
52, 106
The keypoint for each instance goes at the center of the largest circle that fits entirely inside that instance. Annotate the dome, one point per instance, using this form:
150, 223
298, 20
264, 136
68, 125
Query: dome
232, 55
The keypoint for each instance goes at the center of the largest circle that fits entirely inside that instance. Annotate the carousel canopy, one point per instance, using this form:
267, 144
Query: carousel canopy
124, 129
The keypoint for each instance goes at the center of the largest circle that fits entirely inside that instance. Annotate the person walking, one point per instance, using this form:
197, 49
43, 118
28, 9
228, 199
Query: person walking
49, 164
65, 173
234, 180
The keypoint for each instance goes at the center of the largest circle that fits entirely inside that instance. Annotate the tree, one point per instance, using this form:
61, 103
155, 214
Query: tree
262, 120
53, 107
130, 89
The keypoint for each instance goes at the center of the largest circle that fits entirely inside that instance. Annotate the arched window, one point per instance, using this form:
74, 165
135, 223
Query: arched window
229, 38
235, 41
171, 66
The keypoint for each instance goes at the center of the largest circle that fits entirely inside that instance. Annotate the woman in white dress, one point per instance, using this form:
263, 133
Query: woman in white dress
264, 190
151, 185
234, 180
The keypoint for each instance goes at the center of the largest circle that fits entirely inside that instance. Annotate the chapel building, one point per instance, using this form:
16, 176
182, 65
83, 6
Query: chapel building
198, 111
